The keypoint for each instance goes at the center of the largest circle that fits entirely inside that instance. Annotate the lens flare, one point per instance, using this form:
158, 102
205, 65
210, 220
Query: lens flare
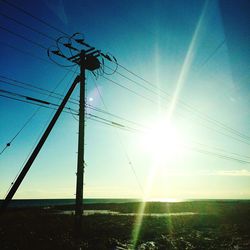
181, 79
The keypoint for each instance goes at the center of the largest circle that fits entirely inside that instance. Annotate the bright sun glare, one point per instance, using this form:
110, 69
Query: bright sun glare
163, 141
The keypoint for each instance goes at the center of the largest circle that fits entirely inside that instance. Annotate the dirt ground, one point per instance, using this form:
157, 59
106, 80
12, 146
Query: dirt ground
211, 225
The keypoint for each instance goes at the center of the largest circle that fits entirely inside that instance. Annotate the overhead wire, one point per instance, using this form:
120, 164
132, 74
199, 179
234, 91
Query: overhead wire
33, 16
145, 129
185, 105
242, 140
32, 86
143, 79
23, 37
203, 151
217, 122
119, 138
192, 109
26, 26
30, 98
34, 113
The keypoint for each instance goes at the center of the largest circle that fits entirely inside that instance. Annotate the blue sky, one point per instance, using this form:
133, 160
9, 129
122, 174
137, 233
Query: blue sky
195, 50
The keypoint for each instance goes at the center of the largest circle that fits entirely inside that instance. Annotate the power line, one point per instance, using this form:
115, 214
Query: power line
29, 102
128, 89
27, 26
199, 114
143, 79
34, 113
33, 55
243, 140
216, 49
213, 53
120, 140
146, 129
203, 151
30, 98
23, 37
98, 110
186, 105
34, 88
33, 16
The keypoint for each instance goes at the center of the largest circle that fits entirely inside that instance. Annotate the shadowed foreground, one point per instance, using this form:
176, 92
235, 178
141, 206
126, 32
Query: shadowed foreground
210, 225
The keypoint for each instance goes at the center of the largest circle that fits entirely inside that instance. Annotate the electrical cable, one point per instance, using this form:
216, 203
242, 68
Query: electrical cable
34, 88
34, 113
187, 106
23, 37
121, 142
27, 26
29, 98
218, 155
33, 16
217, 48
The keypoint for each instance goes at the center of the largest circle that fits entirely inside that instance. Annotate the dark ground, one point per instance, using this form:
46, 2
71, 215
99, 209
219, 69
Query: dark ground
217, 225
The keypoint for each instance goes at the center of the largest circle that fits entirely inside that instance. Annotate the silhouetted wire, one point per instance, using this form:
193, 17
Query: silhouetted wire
121, 142
239, 133
152, 101
215, 129
146, 129
143, 79
188, 106
99, 71
34, 113
46, 124
33, 103
220, 149
33, 55
54, 61
113, 71
116, 124
219, 155
105, 121
34, 90
189, 109
198, 143
114, 115
128, 89
32, 86
33, 16
35, 43
23, 37
203, 151
30, 98
212, 53
27, 26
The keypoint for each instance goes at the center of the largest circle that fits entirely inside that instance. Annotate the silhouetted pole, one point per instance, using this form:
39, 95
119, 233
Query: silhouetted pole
80, 162
37, 149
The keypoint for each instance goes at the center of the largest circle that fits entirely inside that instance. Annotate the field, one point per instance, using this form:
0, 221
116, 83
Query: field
183, 225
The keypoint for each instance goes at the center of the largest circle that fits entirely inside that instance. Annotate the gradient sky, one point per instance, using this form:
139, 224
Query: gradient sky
197, 51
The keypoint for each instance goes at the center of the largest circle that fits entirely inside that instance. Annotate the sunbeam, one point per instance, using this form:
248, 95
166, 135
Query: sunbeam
156, 138
187, 62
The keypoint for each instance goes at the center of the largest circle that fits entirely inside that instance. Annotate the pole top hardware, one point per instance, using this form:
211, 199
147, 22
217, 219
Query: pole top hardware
68, 52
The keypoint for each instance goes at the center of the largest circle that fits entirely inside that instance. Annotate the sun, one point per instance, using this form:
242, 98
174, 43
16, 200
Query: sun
163, 141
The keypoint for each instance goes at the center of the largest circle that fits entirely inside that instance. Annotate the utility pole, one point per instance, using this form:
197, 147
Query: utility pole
86, 59
80, 160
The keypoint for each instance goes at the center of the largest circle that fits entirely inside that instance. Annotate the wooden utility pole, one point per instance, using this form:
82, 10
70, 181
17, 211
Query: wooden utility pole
86, 59
80, 160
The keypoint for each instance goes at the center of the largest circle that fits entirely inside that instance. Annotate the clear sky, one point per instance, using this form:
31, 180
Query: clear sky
195, 51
